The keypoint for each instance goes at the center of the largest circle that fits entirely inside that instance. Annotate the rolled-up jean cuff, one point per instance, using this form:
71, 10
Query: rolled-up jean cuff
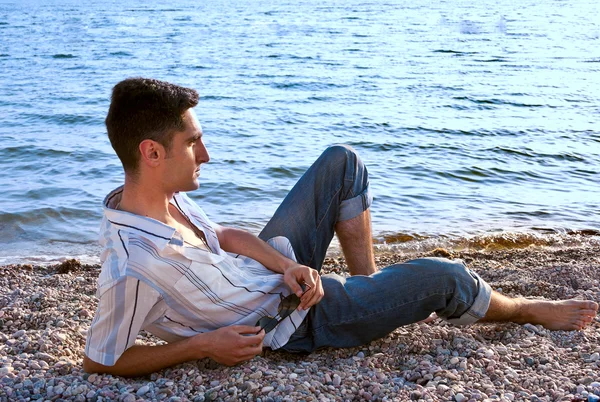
479, 307
355, 206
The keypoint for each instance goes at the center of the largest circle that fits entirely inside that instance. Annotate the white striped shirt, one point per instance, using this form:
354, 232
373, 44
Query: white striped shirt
152, 280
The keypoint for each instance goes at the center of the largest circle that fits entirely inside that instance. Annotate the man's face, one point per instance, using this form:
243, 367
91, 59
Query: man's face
186, 154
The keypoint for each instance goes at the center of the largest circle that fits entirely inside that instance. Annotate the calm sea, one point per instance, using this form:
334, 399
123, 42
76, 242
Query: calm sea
479, 121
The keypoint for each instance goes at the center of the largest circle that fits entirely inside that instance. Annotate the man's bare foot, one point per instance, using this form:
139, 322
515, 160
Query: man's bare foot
563, 314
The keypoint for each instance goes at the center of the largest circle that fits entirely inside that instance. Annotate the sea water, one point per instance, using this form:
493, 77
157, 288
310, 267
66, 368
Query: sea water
477, 120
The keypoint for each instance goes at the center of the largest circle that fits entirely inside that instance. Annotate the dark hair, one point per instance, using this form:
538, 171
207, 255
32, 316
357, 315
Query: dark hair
144, 108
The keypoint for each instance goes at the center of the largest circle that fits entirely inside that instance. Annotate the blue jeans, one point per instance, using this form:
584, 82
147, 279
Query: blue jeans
359, 309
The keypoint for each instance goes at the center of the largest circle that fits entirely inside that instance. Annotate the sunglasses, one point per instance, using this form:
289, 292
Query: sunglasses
287, 305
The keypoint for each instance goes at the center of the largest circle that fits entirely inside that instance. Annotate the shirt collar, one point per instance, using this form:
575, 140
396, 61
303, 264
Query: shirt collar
155, 231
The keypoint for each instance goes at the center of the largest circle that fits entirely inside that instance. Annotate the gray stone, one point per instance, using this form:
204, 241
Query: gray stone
255, 376
45, 357
143, 390
460, 397
18, 334
127, 397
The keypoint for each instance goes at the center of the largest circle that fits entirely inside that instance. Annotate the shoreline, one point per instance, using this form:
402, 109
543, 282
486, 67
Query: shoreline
45, 312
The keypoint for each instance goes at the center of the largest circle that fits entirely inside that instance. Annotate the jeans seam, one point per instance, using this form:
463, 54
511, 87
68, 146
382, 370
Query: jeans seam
321, 221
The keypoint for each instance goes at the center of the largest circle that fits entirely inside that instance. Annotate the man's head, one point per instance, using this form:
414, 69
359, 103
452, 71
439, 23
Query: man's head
146, 109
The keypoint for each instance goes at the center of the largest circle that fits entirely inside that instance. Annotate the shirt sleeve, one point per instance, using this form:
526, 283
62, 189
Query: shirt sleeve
122, 310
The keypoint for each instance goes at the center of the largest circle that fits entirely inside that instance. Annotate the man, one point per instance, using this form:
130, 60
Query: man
218, 292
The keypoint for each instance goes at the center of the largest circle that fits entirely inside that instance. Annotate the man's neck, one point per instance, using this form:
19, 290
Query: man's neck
146, 200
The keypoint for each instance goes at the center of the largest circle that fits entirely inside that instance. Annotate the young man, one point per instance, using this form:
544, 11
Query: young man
170, 270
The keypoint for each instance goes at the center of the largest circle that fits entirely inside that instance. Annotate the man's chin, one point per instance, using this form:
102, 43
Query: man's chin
195, 185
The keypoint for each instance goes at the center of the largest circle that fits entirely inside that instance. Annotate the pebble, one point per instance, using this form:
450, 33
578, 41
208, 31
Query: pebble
143, 390
45, 357
459, 397
41, 360
18, 334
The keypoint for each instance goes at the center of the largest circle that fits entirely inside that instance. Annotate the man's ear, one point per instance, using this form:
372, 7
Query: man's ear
151, 152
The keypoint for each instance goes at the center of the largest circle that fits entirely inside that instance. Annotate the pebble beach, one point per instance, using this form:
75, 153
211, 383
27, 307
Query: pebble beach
45, 312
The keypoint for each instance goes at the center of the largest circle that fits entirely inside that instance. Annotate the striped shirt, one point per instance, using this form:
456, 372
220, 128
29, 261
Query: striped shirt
152, 280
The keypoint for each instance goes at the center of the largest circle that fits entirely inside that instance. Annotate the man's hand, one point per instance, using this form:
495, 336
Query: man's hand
227, 345
296, 274
234, 344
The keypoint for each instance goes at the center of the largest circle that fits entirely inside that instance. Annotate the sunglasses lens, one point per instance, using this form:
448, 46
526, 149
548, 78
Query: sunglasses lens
288, 305
267, 323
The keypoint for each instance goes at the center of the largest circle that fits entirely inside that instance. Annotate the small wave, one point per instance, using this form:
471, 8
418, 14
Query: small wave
498, 102
551, 238
493, 60
215, 97
454, 52
158, 10
453, 132
121, 53
62, 119
31, 151
289, 57
4, 55
385, 147
284, 172
530, 154
320, 98
48, 259
64, 56
233, 162
307, 86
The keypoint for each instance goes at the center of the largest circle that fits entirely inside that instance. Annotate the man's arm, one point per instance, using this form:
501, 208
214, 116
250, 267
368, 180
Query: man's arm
238, 241
229, 345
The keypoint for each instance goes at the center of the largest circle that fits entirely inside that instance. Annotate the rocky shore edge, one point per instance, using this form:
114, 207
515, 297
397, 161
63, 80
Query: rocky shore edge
45, 313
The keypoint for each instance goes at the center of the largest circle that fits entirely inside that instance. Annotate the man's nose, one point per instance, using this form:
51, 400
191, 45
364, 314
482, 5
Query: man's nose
202, 155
